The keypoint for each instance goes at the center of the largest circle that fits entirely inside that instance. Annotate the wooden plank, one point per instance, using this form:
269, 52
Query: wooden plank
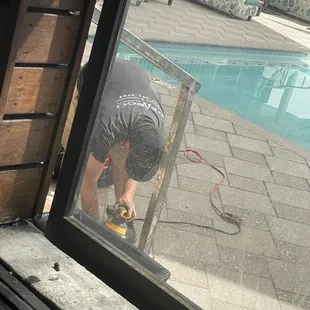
86, 16
18, 192
9, 47
35, 90
72, 5
4, 12
48, 38
25, 141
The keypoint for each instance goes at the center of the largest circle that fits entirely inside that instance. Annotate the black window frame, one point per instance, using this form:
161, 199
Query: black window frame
101, 257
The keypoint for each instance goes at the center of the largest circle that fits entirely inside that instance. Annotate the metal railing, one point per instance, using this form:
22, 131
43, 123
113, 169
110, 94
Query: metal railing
189, 87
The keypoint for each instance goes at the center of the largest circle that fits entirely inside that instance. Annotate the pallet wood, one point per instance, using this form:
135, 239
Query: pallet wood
35, 90
4, 12
47, 38
9, 46
18, 193
72, 5
25, 141
55, 146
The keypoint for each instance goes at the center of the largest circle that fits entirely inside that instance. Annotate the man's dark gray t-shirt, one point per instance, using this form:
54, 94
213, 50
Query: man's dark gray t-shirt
127, 103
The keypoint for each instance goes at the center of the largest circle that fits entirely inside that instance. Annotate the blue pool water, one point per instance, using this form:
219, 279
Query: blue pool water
271, 90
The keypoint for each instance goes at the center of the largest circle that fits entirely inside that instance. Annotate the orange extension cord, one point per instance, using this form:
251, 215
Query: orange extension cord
228, 217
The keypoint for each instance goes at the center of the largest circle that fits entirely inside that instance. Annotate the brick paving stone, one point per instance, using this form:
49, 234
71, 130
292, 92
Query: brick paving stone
181, 159
249, 144
207, 144
159, 89
264, 28
292, 213
168, 110
289, 277
189, 128
154, 24
191, 202
288, 167
274, 145
200, 172
249, 218
214, 123
141, 204
289, 196
187, 245
244, 290
288, 155
171, 23
184, 31
198, 295
210, 133
212, 158
289, 231
246, 200
181, 216
247, 169
292, 253
174, 179
290, 181
247, 184
195, 108
248, 37
196, 186
247, 262
247, 133
209, 110
145, 189
249, 239
256, 158
184, 271
292, 301
219, 305
168, 100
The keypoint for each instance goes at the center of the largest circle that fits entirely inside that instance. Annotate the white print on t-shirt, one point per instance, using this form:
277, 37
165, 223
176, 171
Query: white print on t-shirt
138, 100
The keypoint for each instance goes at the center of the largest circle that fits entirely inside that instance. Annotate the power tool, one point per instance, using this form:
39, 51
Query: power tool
116, 221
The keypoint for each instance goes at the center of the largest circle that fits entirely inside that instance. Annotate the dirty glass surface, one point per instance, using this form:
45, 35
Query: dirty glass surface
247, 134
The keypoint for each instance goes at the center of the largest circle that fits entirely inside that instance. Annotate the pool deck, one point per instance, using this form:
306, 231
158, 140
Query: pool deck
266, 266
190, 22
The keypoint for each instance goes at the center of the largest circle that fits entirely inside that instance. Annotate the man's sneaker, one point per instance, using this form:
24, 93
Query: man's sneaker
105, 179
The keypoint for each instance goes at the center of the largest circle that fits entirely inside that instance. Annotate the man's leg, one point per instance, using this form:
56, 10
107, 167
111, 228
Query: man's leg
89, 192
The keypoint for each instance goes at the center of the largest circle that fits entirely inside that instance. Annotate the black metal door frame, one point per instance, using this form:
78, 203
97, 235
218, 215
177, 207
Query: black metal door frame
99, 256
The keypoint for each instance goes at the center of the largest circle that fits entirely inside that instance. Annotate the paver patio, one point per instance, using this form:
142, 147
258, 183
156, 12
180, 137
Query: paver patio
188, 21
266, 266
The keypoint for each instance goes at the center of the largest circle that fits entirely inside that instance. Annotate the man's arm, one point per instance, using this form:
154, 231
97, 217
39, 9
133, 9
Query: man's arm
89, 193
124, 187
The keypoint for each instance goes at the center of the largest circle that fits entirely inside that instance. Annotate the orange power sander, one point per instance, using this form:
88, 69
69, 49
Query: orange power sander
116, 221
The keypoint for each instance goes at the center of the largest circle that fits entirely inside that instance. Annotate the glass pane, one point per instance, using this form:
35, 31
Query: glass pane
249, 121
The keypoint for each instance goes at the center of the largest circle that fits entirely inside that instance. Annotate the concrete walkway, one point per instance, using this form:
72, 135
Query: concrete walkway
190, 22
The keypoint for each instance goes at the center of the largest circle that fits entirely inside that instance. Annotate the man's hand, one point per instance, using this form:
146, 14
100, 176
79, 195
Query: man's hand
126, 201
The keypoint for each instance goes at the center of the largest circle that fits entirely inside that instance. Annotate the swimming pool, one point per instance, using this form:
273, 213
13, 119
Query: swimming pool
268, 89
